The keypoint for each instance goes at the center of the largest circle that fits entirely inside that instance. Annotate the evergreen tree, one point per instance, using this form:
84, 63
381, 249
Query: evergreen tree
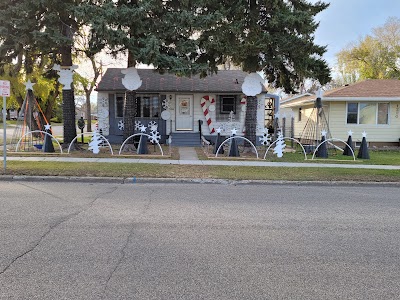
160, 33
38, 28
266, 36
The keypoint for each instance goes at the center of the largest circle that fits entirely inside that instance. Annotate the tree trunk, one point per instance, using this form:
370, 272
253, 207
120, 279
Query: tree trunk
88, 112
129, 114
251, 121
68, 99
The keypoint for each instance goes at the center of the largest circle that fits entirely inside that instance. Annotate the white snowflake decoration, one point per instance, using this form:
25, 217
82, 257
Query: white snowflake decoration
166, 104
103, 102
280, 145
138, 124
121, 125
154, 137
151, 124
266, 138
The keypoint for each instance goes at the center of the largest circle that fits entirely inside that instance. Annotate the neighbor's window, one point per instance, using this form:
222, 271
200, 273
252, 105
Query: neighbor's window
367, 113
352, 113
383, 113
227, 104
119, 105
299, 114
148, 106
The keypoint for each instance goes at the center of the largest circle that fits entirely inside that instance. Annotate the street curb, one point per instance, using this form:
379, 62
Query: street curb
140, 180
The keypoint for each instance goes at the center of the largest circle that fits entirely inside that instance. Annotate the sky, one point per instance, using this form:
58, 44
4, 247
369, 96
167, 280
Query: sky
347, 21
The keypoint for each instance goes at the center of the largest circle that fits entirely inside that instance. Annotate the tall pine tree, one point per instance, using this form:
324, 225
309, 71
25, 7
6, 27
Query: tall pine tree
273, 37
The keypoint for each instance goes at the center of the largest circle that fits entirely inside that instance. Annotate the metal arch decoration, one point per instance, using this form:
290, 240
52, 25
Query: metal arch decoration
235, 137
136, 134
287, 138
86, 133
37, 131
333, 139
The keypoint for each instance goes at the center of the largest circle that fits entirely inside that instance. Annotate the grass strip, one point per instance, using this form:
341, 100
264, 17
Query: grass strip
198, 172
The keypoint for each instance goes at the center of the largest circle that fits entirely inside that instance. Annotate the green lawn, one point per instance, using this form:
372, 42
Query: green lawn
199, 172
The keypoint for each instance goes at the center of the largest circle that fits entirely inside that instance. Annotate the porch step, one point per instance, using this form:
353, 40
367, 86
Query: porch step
188, 139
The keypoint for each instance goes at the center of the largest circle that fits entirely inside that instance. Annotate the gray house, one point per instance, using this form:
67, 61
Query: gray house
182, 108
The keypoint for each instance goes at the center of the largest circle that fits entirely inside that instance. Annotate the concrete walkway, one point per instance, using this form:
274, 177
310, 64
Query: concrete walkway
187, 153
186, 160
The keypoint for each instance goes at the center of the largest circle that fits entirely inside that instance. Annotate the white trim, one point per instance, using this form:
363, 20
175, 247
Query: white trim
365, 99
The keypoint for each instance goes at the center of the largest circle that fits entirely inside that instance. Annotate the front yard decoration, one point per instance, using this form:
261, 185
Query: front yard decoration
363, 151
99, 141
103, 118
218, 141
94, 144
322, 151
280, 145
206, 109
266, 138
143, 138
48, 143
138, 125
39, 146
233, 148
142, 147
286, 138
234, 137
29, 132
332, 140
252, 84
316, 123
65, 75
121, 125
349, 145
131, 80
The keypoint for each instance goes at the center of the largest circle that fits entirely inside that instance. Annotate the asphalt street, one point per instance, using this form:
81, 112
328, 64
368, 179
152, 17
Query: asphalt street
70, 240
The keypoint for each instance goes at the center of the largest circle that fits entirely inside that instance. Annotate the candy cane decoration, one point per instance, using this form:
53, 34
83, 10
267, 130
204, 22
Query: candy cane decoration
210, 107
243, 102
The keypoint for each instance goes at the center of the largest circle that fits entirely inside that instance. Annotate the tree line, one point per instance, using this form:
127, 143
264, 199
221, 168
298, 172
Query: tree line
183, 37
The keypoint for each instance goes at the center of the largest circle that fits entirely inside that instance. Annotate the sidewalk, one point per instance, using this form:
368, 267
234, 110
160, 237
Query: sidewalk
190, 159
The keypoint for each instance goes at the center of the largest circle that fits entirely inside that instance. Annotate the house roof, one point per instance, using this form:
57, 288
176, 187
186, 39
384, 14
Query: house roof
370, 89
225, 81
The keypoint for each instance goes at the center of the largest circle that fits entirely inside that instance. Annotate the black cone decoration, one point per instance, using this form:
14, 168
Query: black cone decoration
347, 150
363, 151
233, 149
322, 150
218, 142
48, 144
142, 148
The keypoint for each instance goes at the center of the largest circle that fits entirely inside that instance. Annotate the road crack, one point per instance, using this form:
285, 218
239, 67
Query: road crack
128, 239
52, 225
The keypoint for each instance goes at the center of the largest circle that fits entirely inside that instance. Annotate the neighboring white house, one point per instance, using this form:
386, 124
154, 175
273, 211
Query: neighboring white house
177, 104
372, 106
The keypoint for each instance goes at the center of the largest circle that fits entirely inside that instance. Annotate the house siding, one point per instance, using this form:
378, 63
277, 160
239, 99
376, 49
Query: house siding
109, 121
375, 132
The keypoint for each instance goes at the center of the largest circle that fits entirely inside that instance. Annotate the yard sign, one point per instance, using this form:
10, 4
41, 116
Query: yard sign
5, 92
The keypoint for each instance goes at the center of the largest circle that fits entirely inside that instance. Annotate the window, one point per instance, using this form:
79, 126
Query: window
148, 106
227, 104
367, 113
119, 105
352, 113
299, 114
383, 113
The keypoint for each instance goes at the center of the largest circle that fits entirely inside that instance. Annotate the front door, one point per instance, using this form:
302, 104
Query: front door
184, 113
